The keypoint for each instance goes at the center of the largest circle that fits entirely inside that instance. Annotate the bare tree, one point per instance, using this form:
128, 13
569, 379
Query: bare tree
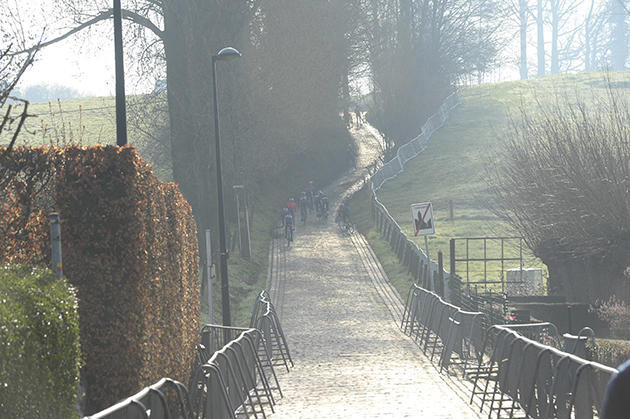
562, 181
11, 69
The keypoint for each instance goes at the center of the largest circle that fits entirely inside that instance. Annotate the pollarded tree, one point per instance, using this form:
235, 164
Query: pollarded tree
562, 181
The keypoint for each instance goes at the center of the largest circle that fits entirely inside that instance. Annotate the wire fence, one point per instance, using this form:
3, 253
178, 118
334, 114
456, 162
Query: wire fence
423, 269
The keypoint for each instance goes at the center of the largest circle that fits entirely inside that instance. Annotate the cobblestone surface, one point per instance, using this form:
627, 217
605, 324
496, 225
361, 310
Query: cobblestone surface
341, 319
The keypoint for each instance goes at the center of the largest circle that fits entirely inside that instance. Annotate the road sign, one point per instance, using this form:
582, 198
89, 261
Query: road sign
422, 219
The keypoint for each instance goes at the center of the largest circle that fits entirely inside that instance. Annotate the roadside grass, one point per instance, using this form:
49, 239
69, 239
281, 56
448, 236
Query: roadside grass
453, 167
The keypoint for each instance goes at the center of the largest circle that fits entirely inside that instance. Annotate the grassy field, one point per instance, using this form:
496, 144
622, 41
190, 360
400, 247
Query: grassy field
453, 169
86, 121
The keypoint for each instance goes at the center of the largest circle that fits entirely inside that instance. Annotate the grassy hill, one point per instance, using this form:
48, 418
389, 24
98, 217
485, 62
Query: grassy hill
453, 168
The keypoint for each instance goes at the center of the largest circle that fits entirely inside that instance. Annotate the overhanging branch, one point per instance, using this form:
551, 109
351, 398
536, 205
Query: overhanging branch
104, 15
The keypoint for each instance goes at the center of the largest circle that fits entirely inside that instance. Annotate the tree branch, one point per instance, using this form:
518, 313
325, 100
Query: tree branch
104, 15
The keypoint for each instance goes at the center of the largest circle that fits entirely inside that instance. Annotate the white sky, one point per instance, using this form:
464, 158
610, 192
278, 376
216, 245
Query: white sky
67, 64
83, 61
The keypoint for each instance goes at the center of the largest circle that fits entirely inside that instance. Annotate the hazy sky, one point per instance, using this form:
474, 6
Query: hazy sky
67, 64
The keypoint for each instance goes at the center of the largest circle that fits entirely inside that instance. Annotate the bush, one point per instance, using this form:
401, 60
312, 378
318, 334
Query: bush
616, 314
39, 344
610, 352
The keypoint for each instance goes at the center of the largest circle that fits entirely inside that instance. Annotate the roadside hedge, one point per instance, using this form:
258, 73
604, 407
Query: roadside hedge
39, 344
129, 247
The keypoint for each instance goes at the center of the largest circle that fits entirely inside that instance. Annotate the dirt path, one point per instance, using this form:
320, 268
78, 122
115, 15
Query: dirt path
341, 319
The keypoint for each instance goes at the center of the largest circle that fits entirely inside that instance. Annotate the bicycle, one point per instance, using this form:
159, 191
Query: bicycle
345, 225
304, 214
288, 234
324, 215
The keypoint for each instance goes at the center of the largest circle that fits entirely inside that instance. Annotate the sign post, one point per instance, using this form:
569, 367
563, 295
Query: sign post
424, 225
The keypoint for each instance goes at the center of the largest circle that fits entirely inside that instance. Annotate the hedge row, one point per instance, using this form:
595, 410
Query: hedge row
39, 344
130, 249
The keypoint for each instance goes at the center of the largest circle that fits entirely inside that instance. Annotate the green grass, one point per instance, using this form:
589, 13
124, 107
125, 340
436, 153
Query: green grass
86, 121
453, 168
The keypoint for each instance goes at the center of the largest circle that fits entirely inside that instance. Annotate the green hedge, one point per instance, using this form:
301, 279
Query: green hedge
39, 344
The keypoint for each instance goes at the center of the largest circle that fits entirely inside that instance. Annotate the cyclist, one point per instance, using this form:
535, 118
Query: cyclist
291, 207
317, 203
309, 194
344, 214
303, 206
325, 202
289, 225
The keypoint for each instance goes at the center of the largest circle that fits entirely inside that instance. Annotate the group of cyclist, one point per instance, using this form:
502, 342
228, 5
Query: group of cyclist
309, 200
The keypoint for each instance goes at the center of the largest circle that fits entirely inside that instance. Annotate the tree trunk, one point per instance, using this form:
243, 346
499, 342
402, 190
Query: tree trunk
555, 22
587, 280
541, 39
523, 17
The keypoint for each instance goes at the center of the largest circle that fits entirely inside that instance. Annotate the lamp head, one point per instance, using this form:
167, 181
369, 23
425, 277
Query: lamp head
227, 54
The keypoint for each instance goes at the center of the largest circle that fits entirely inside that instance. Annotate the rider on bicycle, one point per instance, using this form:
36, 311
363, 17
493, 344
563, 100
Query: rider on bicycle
291, 206
318, 203
288, 223
310, 189
344, 213
325, 202
303, 205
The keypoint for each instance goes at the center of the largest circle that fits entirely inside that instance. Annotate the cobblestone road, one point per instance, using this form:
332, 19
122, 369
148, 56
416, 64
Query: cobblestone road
341, 319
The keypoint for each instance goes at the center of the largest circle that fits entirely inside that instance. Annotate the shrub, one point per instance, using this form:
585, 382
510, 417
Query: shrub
39, 344
616, 314
610, 352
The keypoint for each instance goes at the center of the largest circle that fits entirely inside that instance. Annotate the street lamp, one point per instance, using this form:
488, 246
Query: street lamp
226, 54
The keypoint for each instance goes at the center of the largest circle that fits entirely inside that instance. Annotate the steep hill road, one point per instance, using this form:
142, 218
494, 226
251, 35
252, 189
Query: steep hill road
341, 319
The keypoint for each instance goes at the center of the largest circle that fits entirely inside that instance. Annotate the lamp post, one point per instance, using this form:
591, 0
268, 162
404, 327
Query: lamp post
226, 54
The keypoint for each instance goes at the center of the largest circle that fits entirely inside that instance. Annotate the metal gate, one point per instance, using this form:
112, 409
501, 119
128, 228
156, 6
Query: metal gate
473, 258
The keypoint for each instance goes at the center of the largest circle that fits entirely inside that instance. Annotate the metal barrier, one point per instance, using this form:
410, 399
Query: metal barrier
165, 399
542, 381
441, 327
230, 382
414, 147
265, 319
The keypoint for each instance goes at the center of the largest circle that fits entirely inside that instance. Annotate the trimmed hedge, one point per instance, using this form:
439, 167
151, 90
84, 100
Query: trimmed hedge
39, 344
130, 247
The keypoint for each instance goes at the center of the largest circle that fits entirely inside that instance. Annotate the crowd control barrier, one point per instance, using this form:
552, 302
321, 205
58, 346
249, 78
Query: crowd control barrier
163, 400
542, 381
265, 319
235, 377
514, 368
439, 326
409, 254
